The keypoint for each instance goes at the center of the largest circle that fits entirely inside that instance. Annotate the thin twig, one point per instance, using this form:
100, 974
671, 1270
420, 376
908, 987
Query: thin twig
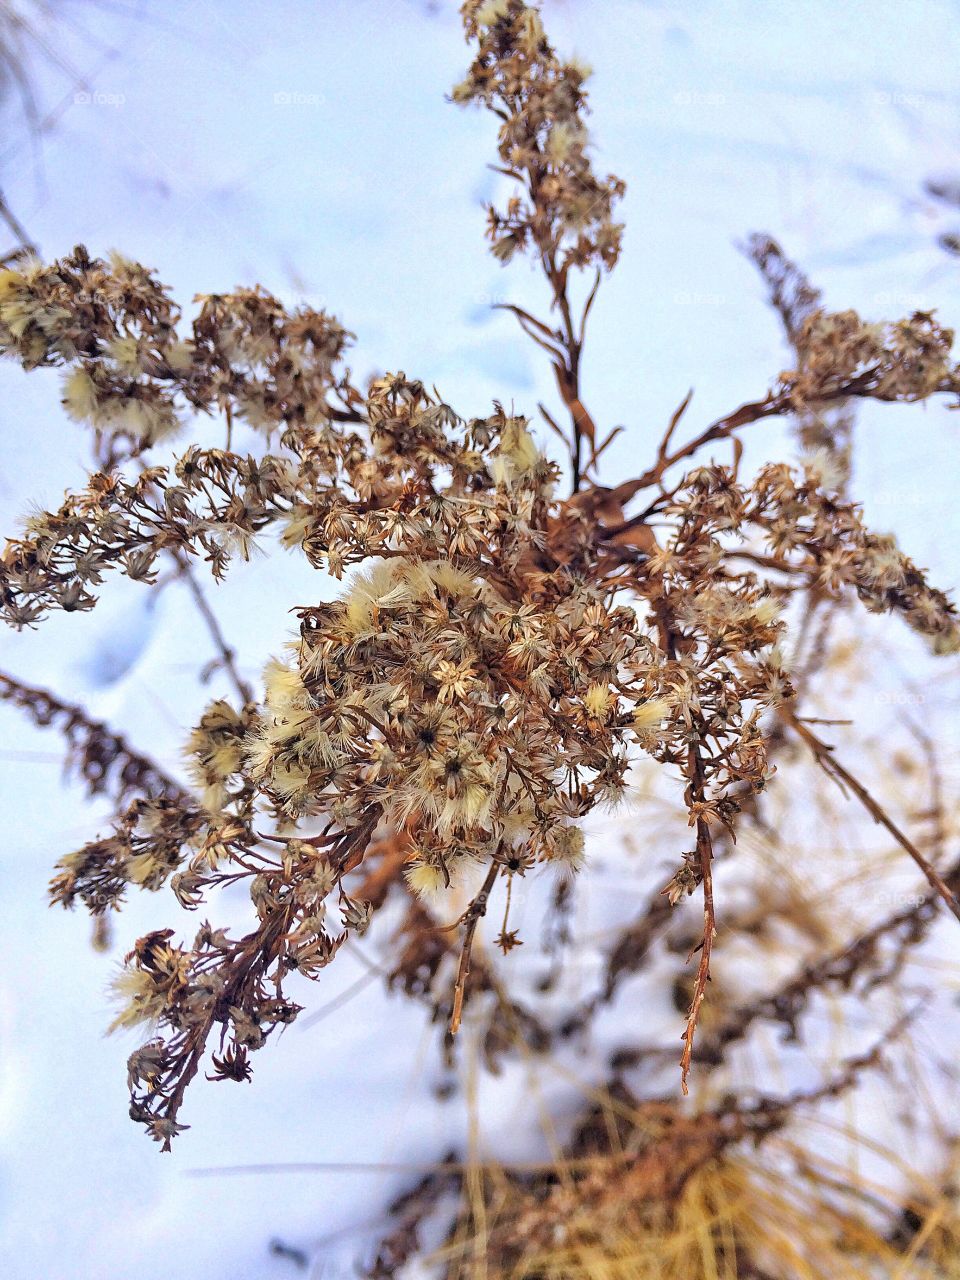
705, 871
227, 654
772, 406
104, 759
16, 226
834, 769
474, 913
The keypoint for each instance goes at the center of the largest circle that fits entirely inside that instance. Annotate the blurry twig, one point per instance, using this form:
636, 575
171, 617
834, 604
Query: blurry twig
844, 778
104, 760
227, 658
24, 241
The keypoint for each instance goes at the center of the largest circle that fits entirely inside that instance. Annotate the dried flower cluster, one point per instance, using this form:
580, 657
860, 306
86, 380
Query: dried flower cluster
565, 214
500, 654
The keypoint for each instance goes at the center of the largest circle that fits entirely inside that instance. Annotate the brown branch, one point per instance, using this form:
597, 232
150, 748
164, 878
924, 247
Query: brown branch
587, 308
772, 406
843, 777
765, 562
472, 918
16, 226
705, 870
227, 658
568, 376
104, 759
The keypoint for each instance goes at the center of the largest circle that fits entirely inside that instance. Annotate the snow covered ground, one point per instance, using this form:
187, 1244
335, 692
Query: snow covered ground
308, 147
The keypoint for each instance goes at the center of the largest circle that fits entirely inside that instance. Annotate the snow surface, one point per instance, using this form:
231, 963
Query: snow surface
161, 132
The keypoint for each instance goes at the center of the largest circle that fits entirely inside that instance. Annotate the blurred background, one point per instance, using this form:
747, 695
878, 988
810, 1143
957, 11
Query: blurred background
308, 147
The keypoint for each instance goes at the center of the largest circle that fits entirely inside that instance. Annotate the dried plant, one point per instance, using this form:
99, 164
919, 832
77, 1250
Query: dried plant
642, 1192
514, 636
